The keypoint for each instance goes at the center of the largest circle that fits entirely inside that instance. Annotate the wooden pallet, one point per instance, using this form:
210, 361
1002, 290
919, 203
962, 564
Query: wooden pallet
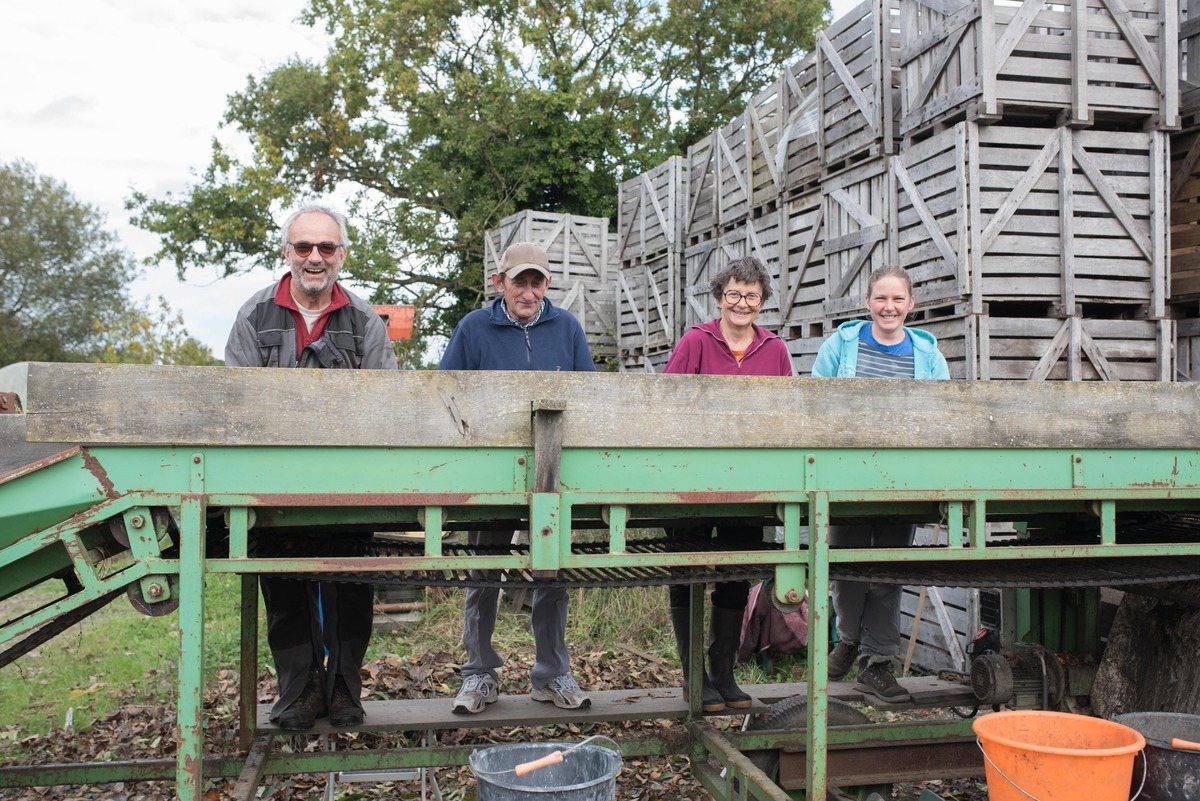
1084, 60
649, 303
650, 214
1075, 348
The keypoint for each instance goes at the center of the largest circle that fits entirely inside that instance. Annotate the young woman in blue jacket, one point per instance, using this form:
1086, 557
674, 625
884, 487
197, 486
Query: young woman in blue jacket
868, 615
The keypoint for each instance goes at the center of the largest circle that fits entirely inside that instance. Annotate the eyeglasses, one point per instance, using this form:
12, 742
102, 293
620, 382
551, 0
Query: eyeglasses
733, 297
326, 249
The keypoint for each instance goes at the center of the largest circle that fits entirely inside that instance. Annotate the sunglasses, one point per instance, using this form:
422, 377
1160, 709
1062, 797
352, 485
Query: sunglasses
326, 249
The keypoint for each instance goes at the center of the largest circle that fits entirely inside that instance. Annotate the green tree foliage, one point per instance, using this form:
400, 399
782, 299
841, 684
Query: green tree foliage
439, 118
64, 277
140, 336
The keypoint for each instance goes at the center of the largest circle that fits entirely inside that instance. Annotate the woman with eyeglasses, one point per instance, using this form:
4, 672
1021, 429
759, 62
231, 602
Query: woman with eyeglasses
732, 344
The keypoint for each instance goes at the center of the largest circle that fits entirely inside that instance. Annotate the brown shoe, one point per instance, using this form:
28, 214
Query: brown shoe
342, 709
842, 659
877, 680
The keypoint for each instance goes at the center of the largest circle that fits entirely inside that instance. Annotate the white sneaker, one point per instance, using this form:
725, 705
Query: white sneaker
564, 693
477, 691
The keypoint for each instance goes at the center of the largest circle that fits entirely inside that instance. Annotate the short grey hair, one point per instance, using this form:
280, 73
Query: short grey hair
748, 270
308, 208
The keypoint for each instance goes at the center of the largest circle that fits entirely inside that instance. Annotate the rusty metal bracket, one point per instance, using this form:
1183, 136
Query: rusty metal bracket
10, 403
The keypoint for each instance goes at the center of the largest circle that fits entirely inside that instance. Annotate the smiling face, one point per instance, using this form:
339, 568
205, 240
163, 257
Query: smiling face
313, 275
737, 316
889, 301
522, 294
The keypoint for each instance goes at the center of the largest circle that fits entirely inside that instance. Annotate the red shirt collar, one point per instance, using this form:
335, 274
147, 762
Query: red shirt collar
283, 297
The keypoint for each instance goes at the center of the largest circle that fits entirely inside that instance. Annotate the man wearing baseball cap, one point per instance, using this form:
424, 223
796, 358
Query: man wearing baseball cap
520, 330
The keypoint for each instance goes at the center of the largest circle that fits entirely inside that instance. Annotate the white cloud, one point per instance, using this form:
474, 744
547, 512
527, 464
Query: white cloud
124, 94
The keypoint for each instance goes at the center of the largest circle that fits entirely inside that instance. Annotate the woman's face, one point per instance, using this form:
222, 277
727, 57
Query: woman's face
743, 310
889, 303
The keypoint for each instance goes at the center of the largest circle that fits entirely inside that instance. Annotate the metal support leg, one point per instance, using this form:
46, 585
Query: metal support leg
189, 782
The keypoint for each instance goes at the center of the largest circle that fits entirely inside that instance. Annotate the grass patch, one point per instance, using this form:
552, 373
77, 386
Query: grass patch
109, 657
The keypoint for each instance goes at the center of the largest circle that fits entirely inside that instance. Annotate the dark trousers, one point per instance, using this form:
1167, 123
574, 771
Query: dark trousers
321, 626
725, 594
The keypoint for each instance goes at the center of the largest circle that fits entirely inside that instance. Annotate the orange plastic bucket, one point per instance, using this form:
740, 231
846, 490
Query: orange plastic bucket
1055, 756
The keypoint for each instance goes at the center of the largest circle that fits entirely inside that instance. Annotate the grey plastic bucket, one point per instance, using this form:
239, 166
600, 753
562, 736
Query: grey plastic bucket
1172, 774
587, 773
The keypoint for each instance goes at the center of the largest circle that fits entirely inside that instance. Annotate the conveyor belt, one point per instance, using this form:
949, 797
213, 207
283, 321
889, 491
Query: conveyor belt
995, 571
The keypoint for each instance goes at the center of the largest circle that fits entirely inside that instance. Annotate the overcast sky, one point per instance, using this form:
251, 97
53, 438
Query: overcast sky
116, 95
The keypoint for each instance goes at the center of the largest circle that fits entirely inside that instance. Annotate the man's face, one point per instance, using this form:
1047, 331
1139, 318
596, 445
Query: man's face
523, 294
314, 274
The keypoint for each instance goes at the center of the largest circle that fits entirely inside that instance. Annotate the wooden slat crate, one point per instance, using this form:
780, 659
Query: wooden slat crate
650, 212
802, 286
1061, 215
760, 238
649, 303
1083, 60
1076, 348
856, 58
583, 264
949, 618
857, 210
1098, 237
766, 121
798, 141
1185, 215
804, 353
1189, 63
931, 179
718, 179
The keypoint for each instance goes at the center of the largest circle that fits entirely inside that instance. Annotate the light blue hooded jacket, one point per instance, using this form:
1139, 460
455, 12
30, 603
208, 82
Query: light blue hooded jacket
838, 356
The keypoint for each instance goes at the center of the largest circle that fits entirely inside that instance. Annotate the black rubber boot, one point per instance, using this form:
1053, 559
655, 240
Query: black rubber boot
725, 635
681, 620
302, 713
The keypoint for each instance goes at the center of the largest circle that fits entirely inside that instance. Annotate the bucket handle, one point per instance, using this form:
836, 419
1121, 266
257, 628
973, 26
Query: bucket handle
1035, 798
553, 758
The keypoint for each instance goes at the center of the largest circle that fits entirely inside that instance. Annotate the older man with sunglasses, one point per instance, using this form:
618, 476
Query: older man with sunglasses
318, 631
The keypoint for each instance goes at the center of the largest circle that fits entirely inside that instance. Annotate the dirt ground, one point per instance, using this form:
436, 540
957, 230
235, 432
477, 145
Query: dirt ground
144, 728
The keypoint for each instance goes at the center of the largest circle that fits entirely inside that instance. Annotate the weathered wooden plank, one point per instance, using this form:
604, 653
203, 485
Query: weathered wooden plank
196, 406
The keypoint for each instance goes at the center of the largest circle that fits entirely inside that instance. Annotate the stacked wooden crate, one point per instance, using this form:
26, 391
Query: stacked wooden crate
650, 250
760, 185
583, 264
1185, 201
1031, 193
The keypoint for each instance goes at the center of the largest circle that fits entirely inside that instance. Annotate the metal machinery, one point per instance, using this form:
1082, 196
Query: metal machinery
189, 472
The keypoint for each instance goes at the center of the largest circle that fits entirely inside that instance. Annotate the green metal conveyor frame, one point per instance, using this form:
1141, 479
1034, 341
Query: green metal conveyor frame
140, 460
